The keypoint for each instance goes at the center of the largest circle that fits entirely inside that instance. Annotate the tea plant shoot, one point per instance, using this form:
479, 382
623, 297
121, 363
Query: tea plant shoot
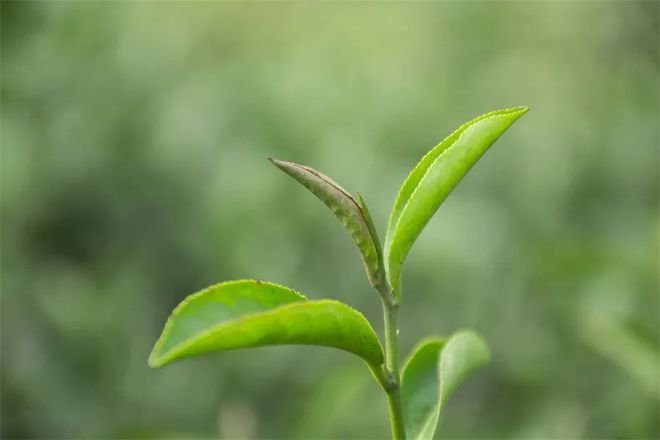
251, 313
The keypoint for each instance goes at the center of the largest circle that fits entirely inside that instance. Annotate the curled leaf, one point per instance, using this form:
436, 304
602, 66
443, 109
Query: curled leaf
346, 208
434, 177
432, 373
247, 313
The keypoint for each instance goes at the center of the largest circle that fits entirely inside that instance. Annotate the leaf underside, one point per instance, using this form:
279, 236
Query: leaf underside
432, 373
248, 313
345, 207
433, 179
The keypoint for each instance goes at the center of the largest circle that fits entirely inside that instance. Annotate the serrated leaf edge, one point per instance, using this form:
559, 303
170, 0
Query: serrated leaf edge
193, 296
460, 131
371, 227
432, 151
156, 360
323, 177
375, 259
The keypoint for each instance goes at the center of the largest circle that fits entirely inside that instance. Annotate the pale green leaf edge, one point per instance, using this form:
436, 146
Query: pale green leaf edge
370, 250
380, 274
428, 429
192, 297
157, 359
412, 181
479, 344
433, 417
416, 175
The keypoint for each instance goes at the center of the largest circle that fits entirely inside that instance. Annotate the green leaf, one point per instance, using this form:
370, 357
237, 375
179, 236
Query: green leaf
432, 373
247, 313
346, 208
434, 177
374, 238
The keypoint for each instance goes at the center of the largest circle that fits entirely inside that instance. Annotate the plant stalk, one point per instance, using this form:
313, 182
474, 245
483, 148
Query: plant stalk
393, 389
396, 416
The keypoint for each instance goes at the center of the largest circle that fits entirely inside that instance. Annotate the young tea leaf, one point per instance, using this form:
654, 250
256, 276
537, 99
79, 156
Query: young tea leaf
432, 373
345, 207
434, 177
419, 390
242, 314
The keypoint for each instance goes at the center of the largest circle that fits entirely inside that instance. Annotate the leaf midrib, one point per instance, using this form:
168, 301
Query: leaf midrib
461, 130
186, 343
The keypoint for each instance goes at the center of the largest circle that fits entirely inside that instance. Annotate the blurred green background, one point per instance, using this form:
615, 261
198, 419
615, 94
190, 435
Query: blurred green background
134, 138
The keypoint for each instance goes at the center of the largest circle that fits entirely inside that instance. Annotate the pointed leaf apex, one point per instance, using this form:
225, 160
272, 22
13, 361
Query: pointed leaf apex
434, 178
345, 207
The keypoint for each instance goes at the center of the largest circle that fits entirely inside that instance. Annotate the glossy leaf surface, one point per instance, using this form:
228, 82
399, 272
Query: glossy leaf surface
433, 178
432, 373
243, 314
345, 207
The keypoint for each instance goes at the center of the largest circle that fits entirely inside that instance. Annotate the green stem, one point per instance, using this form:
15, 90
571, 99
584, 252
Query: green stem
390, 318
396, 417
391, 338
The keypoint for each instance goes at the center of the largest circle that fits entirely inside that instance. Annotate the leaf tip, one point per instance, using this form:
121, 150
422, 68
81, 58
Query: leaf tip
155, 361
282, 164
519, 111
479, 344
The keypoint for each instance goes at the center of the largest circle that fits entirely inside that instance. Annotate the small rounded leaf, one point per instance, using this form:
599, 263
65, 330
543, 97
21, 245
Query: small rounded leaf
243, 314
432, 373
